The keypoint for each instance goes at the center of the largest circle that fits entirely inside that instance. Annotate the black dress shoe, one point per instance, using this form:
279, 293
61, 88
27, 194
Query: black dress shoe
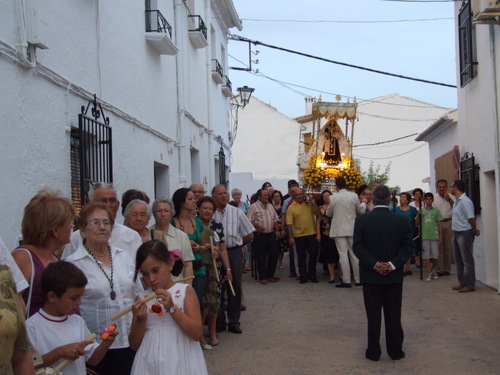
343, 285
372, 357
236, 330
358, 284
446, 273
440, 274
313, 279
399, 356
302, 281
331, 282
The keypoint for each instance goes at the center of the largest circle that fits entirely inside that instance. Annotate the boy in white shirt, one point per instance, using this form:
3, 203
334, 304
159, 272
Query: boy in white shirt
55, 331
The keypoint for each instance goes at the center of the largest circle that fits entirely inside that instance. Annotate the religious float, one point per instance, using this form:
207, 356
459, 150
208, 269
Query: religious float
330, 149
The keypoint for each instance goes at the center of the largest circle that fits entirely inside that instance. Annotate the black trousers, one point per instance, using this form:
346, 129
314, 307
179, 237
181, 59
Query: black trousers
387, 297
266, 251
115, 362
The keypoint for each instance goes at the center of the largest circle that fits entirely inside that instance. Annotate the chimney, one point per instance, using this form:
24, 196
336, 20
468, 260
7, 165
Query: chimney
309, 102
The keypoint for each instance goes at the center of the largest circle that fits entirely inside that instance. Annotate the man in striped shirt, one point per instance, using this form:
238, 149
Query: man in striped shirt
238, 231
265, 220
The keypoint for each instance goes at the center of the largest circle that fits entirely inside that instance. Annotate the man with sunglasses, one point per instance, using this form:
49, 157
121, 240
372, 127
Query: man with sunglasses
122, 237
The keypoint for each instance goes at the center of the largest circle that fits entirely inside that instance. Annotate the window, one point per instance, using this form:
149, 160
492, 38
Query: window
91, 152
467, 44
469, 174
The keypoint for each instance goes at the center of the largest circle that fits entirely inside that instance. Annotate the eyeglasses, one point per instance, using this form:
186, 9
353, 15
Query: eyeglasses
106, 200
97, 223
163, 211
141, 214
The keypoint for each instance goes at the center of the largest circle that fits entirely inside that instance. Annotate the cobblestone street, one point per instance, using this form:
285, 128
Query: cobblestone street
319, 329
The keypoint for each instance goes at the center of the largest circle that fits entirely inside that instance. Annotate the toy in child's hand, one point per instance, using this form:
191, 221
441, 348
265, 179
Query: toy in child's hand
106, 331
156, 309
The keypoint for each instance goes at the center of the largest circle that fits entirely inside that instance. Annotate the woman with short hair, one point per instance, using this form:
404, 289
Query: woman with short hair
46, 226
137, 215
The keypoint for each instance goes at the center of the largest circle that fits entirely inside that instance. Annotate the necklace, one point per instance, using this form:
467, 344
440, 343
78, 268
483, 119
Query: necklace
112, 294
181, 227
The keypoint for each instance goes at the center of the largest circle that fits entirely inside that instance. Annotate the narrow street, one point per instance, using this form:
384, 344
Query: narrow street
319, 329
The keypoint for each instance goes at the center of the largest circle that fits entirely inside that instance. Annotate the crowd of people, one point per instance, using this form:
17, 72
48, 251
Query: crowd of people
185, 270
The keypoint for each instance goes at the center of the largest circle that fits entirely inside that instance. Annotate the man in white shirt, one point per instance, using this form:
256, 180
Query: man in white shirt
122, 237
343, 208
444, 203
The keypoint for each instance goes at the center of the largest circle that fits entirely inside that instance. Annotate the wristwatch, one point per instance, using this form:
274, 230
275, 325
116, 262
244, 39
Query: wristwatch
172, 309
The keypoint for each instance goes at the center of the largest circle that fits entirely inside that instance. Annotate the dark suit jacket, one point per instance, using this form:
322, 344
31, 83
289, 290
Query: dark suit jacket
382, 235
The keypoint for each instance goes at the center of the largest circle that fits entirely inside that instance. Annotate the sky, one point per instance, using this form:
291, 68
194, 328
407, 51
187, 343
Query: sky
347, 31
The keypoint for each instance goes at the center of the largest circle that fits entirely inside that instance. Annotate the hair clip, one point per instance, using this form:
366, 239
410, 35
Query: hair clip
175, 255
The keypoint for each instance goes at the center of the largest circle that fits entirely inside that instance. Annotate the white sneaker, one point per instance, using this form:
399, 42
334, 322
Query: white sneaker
435, 275
429, 277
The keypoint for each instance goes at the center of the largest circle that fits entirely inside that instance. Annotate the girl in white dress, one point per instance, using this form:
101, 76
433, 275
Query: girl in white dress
165, 331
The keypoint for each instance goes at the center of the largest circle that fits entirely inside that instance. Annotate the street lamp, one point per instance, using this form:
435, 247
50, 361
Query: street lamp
245, 93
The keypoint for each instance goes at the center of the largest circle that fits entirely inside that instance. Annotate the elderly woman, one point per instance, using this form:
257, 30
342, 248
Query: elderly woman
211, 296
137, 215
163, 212
132, 194
237, 202
110, 288
46, 226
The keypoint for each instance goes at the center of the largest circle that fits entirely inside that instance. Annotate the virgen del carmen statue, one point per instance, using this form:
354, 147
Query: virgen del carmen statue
330, 149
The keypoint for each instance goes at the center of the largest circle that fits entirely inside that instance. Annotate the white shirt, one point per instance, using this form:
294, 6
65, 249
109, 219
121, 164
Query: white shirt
47, 332
97, 307
443, 206
177, 239
236, 225
6, 258
121, 237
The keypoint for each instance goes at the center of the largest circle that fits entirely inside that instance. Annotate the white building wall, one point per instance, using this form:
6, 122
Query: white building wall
265, 148
160, 107
478, 107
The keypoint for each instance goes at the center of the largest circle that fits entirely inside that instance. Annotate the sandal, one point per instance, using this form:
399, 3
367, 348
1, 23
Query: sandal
214, 342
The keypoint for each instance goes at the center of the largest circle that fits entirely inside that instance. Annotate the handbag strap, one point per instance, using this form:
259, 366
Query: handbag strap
28, 304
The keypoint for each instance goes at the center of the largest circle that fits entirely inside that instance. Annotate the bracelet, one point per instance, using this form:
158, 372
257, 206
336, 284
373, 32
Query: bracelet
228, 269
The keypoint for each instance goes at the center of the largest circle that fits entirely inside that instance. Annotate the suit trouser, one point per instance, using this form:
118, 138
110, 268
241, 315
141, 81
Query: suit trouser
266, 251
464, 258
235, 255
344, 247
387, 297
446, 248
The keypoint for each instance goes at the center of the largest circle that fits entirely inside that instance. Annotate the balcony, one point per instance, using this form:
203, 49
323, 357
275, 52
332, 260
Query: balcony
198, 32
159, 33
227, 88
217, 72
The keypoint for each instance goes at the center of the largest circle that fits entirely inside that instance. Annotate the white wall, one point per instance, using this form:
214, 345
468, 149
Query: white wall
160, 107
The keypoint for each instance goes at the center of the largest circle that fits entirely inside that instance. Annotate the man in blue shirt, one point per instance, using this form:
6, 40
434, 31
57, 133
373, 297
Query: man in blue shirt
464, 228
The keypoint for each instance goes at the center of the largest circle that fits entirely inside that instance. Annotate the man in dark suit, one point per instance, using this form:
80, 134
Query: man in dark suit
383, 243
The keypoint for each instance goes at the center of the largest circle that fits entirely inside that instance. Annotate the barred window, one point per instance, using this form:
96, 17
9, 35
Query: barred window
467, 44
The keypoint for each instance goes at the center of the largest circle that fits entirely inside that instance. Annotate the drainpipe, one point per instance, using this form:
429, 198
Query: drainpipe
179, 68
208, 54
497, 134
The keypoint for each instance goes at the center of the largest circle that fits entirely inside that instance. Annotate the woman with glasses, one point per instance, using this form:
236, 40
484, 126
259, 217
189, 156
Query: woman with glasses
137, 215
46, 226
163, 212
110, 288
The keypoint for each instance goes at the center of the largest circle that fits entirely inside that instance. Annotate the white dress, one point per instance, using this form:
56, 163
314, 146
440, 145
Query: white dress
165, 349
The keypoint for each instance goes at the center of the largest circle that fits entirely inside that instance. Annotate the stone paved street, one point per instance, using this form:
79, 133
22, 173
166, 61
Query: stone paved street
319, 329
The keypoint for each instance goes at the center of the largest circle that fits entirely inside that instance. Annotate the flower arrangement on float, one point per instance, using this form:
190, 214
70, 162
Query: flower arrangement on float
316, 174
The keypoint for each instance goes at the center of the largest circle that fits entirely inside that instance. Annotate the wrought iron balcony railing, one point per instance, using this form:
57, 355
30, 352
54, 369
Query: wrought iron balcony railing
227, 83
155, 22
217, 68
199, 25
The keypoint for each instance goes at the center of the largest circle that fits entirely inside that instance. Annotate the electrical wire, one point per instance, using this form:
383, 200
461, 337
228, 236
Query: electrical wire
389, 141
393, 156
338, 21
256, 42
360, 100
